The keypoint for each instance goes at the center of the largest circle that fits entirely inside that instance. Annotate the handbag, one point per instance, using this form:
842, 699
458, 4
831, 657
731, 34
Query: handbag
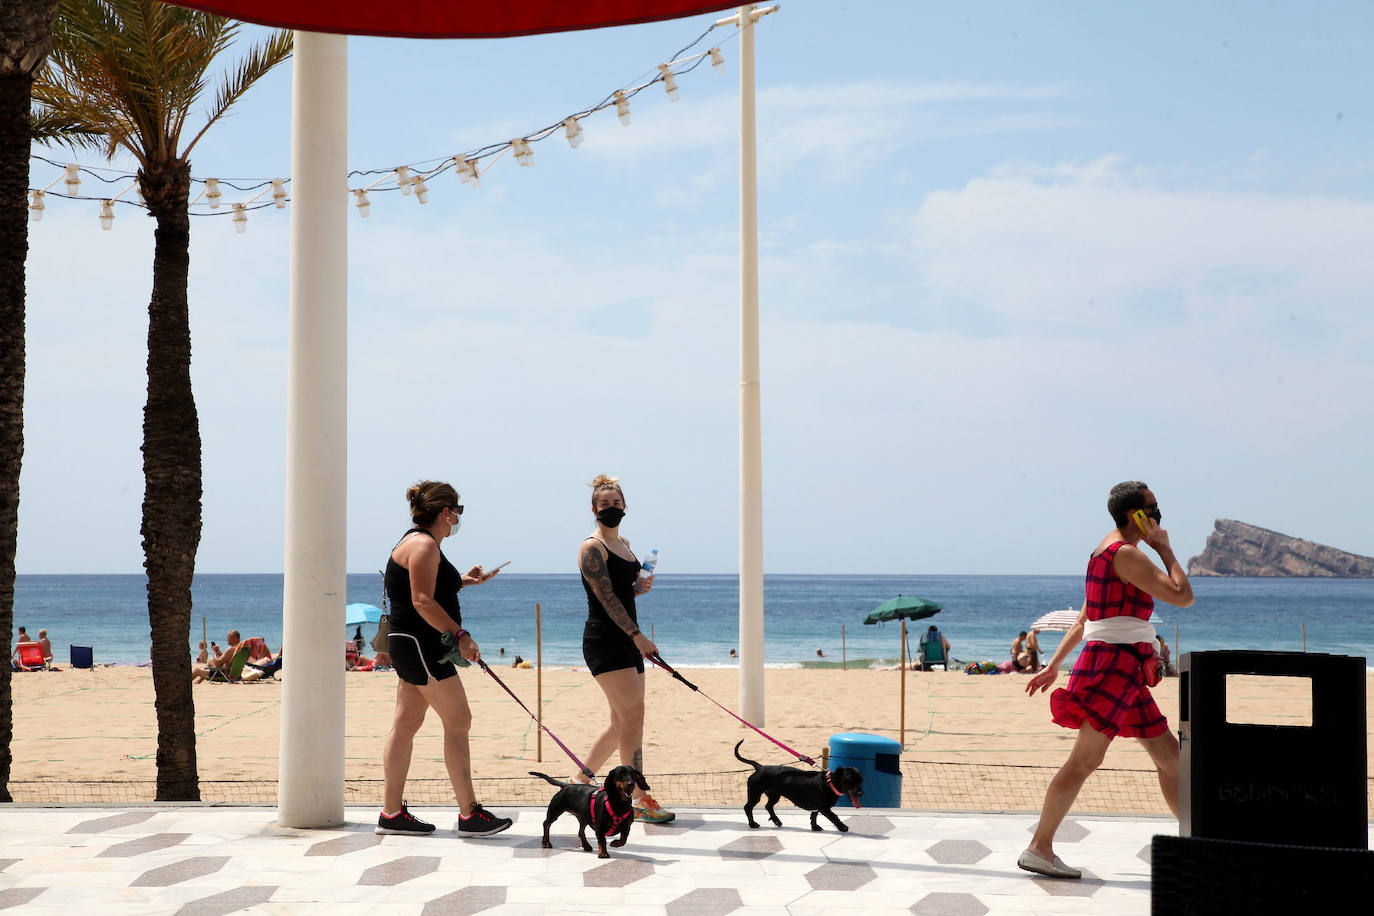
379, 642
1151, 666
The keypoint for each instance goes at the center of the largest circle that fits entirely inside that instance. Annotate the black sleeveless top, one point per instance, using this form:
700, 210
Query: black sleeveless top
404, 617
623, 574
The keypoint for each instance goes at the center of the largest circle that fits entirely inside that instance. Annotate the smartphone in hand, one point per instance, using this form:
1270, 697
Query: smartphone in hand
1142, 521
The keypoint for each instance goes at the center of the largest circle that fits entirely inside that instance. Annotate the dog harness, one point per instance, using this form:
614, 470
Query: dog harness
610, 812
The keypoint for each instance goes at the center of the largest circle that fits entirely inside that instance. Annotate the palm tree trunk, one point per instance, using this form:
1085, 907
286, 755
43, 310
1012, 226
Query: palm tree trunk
172, 480
25, 37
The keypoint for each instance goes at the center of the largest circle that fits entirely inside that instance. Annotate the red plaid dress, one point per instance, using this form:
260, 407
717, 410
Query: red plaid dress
1107, 687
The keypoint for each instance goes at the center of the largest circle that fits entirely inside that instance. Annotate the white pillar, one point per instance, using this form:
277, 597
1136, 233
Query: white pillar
311, 769
750, 433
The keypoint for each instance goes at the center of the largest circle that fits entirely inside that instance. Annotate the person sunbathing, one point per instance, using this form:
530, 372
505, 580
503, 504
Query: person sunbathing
219, 661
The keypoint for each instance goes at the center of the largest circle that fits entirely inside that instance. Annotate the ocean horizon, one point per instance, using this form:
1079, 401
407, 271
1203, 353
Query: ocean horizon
694, 618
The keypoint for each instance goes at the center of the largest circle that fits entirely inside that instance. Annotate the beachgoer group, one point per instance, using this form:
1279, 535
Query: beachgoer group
1107, 694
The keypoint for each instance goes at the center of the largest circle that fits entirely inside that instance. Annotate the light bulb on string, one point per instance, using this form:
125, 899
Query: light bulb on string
106, 214
420, 188
360, 198
574, 132
212, 193
523, 154
36, 206
622, 107
403, 180
73, 180
240, 218
669, 82
279, 193
467, 171
717, 62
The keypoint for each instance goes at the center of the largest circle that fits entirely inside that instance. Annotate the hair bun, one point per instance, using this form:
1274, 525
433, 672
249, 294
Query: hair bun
601, 480
413, 493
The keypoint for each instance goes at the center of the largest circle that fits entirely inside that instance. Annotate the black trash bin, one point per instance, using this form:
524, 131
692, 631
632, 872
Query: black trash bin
1288, 784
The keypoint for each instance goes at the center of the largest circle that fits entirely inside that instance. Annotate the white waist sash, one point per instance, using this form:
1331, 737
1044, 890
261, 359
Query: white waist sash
1119, 630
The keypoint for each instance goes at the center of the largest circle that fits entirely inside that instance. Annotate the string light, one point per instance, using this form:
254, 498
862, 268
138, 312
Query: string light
574, 132
212, 193
468, 166
669, 84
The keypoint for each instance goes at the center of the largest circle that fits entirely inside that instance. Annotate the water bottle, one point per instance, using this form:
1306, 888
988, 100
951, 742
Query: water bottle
646, 569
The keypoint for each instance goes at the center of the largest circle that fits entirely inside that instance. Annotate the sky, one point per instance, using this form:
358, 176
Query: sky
1009, 256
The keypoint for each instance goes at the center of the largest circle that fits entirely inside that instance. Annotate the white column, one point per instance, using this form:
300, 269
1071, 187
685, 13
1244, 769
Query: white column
311, 768
750, 428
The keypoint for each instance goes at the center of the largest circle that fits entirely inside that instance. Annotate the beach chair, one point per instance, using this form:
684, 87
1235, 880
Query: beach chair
235, 670
933, 653
30, 657
82, 656
266, 671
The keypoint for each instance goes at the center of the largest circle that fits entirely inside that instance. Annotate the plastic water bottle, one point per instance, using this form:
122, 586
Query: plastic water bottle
650, 563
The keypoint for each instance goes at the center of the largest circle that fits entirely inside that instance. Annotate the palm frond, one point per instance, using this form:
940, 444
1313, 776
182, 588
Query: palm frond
259, 60
53, 129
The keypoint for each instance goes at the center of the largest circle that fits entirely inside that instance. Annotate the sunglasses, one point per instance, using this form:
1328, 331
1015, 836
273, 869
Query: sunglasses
456, 510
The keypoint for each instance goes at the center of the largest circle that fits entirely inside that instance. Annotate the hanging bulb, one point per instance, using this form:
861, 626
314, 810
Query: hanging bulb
669, 83
106, 214
466, 169
360, 198
279, 193
421, 189
240, 218
403, 180
36, 206
622, 107
523, 154
73, 181
717, 61
574, 132
212, 194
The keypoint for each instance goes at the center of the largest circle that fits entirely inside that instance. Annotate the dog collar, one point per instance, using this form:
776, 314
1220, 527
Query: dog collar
831, 784
610, 812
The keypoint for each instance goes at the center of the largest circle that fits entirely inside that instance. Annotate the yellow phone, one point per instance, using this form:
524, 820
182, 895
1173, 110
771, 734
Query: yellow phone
1142, 521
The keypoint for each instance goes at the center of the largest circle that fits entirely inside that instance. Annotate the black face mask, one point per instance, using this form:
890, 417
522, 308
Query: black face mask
610, 516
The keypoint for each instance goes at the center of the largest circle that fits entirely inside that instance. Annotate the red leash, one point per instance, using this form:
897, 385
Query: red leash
658, 660
580, 765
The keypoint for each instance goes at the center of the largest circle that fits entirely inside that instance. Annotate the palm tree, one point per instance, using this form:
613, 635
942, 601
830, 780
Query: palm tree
130, 72
25, 37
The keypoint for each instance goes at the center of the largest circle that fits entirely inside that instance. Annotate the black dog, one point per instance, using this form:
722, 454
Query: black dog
815, 792
607, 809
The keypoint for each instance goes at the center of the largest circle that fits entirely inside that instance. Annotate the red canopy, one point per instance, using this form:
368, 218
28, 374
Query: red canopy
452, 18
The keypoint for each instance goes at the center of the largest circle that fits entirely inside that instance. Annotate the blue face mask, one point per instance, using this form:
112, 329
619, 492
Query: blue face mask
458, 523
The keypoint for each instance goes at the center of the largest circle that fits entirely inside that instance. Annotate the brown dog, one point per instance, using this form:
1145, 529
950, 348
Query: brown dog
607, 810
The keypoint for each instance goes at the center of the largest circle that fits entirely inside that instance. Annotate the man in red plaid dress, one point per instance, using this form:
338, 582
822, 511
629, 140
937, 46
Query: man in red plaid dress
1106, 695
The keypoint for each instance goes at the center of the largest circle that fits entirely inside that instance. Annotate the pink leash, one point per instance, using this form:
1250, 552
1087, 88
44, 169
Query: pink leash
657, 660
580, 765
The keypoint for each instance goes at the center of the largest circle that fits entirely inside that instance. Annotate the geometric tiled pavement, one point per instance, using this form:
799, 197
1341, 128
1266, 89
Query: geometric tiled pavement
212, 860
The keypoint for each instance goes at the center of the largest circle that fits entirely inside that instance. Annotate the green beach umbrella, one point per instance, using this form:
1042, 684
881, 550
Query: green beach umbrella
910, 607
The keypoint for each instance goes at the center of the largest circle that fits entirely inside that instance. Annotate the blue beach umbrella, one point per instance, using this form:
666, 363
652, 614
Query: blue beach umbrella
356, 614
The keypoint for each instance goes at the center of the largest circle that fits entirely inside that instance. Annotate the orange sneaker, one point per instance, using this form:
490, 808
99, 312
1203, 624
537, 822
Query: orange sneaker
651, 812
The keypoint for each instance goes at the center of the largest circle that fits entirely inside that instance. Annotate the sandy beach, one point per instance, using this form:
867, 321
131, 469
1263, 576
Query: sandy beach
966, 738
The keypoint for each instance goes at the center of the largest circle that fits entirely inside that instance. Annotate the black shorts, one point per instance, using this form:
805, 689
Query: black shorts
416, 658
610, 649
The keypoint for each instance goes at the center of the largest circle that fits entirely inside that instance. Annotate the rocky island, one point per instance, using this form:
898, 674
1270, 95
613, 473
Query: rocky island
1237, 549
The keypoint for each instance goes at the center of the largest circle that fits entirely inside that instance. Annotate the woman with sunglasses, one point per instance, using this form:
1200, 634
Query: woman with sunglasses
422, 588
1107, 695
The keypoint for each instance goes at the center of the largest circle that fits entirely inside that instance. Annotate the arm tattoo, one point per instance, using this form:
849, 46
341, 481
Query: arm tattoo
594, 569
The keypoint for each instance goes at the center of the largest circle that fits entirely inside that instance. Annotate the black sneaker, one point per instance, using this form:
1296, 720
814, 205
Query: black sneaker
482, 822
403, 824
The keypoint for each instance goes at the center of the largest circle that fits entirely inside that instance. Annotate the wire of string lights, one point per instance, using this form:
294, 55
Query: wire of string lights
411, 179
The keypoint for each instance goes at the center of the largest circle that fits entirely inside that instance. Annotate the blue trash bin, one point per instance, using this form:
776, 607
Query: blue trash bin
878, 759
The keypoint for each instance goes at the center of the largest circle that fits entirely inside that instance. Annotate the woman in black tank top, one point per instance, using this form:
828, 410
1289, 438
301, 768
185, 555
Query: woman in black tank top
612, 644
422, 589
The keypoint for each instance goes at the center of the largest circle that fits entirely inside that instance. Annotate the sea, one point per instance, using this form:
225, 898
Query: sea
809, 620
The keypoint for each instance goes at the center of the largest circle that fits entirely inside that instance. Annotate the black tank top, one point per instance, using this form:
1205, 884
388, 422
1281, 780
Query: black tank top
623, 574
404, 617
